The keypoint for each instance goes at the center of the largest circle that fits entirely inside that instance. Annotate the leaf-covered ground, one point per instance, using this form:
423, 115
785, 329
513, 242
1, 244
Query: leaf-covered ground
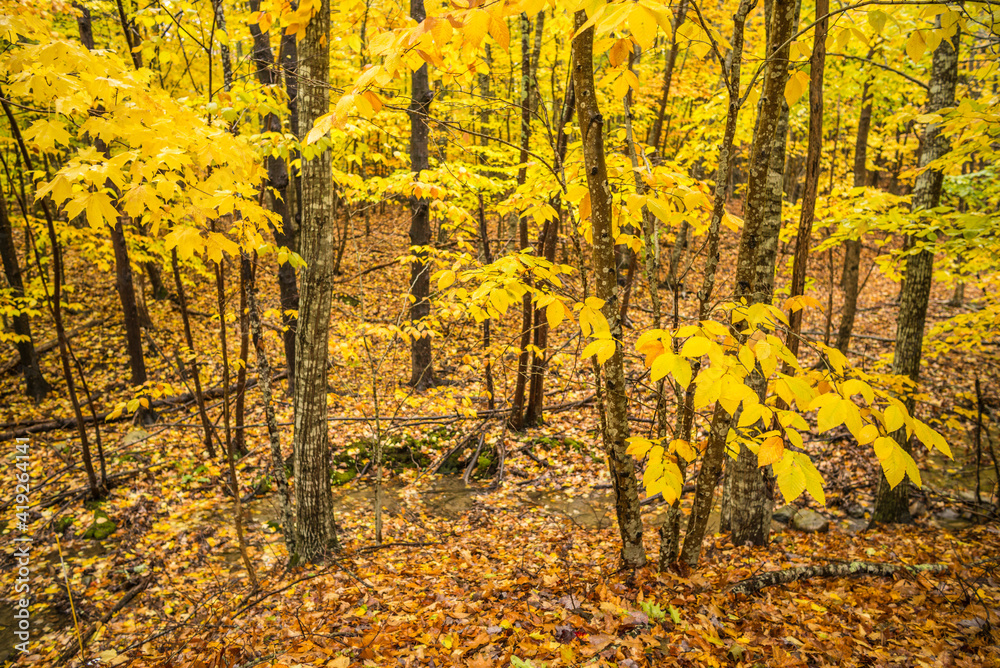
472, 575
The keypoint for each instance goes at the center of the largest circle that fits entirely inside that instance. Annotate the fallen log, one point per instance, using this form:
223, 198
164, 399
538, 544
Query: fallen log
838, 570
39, 426
51, 344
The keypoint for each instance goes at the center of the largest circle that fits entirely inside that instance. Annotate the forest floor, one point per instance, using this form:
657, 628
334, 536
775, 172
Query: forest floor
478, 574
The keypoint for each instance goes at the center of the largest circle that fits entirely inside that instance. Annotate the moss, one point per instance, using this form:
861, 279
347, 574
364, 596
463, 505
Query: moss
101, 528
64, 523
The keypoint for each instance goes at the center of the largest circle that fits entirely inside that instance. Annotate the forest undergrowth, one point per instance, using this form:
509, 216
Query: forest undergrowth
503, 553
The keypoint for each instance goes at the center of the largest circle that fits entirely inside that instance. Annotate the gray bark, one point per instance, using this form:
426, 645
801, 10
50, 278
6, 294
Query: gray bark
314, 531
892, 504
615, 428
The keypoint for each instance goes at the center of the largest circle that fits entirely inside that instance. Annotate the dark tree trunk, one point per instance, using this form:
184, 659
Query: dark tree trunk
314, 531
126, 294
55, 306
892, 504
35, 385
849, 280
548, 243
751, 502
656, 130
615, 424
516, 420
711, 465
421, 354
199, 396
813, 154
279, 199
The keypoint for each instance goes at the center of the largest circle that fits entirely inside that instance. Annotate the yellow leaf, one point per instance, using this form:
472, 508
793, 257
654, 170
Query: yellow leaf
916, 45
770, 451
796, 85
643, 26
696, 346
446, 279
555, 313
893, 418
100, 209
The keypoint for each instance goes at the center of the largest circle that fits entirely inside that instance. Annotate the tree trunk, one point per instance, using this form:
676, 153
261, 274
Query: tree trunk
615, 428
273, 432
852, 249
35, 384
751, 502
516, 420
422, 358
892, 504
278, 184
314, 531
813, 154
711, 465
548, 242
126, 294
656, 130
199, 396
55, 306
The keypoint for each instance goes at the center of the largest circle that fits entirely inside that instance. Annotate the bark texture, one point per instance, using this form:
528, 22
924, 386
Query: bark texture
892, 504
615, 425
751, 486
711, 465
839, 570
814, 151
279, 197
421, 354
314, 531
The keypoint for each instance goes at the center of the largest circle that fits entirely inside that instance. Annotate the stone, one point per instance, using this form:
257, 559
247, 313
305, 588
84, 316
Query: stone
918, 509
948, 515
855, 510
809, 521
784, 514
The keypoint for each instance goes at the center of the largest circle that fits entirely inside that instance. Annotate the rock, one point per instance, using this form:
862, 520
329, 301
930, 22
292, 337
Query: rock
135, 436
784, 514
855, 510
810, 521
853, 526
948, 515
918, 509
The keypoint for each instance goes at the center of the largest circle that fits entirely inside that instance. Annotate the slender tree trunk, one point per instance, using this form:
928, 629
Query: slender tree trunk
615, 429
55, 305
516, 421
813, 154
273, 432
849, 280
548, 242
892, 504
35, 384
279, 199
422, 358
220, 285
711, 465
484, 238
656, 130
239, 439
313, 498
199, 396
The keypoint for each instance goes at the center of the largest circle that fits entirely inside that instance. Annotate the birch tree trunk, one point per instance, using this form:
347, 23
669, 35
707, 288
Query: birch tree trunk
615, 425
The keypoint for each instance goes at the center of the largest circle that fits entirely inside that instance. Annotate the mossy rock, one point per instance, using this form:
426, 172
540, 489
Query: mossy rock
343, 477
101, 528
